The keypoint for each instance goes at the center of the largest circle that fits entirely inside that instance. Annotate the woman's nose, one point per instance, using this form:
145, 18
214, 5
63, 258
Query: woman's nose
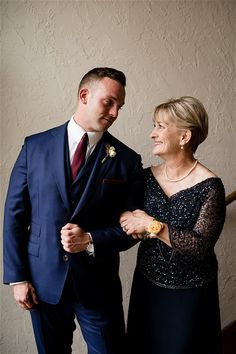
153, 133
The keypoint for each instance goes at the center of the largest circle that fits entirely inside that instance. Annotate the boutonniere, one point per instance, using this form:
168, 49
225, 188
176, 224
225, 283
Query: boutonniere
110, 152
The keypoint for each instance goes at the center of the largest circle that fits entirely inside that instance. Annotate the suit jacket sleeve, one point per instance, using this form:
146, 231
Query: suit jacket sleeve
16, 223
113, 238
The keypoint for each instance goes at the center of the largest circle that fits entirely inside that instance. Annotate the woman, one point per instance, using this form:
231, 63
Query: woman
174, 304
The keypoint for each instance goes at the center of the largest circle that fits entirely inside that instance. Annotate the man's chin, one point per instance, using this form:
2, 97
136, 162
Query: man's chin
106, 124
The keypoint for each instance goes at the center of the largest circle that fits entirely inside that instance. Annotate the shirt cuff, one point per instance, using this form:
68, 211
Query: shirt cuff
90, 247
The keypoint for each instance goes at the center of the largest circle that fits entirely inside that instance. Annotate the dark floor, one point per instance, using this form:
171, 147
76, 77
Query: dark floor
229, 339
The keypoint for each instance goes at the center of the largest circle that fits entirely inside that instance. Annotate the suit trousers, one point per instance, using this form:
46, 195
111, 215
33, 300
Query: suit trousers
103, 329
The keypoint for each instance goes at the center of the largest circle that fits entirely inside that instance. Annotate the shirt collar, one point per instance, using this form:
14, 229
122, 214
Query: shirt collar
75, 132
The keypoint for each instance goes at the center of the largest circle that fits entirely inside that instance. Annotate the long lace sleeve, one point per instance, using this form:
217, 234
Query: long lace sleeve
207, 228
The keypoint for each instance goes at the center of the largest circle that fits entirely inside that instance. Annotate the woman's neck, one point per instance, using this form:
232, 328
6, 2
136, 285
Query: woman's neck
177, 169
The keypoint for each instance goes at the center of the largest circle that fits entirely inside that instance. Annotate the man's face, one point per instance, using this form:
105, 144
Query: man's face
102, 101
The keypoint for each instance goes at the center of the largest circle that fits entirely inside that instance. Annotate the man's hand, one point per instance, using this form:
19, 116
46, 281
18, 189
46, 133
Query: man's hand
74, 239
25, 295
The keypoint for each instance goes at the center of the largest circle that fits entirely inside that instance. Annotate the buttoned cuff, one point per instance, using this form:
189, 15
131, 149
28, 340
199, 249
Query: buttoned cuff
19, 282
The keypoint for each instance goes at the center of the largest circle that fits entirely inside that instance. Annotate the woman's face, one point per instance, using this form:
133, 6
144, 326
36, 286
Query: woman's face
165, 136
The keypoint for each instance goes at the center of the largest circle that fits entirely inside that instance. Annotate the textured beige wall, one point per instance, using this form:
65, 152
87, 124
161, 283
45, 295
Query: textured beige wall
166, 48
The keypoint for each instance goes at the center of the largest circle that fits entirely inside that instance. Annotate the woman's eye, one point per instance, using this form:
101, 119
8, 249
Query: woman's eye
158, 125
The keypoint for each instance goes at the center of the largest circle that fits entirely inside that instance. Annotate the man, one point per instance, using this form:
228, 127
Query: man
61, 230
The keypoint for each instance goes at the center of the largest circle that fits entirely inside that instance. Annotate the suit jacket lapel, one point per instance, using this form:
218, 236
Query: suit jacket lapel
58, 165
58, 154
96, 173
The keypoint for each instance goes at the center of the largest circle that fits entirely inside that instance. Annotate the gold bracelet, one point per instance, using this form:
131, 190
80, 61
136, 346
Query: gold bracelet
154, 228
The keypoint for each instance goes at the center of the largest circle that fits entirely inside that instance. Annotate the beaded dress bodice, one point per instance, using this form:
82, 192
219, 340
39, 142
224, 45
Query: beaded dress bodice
195, 217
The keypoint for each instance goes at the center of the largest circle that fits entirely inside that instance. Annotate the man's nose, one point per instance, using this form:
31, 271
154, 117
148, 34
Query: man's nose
114, 111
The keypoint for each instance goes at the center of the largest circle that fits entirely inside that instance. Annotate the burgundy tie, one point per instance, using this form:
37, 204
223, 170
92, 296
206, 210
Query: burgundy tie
79, 156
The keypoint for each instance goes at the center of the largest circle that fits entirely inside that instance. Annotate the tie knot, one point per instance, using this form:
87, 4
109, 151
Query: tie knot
85, 137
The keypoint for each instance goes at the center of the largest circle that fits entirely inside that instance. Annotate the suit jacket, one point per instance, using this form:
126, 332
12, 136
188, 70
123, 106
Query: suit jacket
41, 199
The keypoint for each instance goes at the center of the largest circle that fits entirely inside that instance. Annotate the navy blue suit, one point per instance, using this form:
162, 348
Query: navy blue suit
41, 199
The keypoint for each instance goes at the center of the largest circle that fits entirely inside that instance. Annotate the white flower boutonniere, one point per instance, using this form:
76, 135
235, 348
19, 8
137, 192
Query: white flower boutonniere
110, 152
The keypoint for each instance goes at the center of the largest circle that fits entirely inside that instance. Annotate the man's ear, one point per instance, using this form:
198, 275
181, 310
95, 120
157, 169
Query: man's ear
185, 137
83, 95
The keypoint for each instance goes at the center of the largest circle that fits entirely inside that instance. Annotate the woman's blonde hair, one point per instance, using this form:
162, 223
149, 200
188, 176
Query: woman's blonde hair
187, 113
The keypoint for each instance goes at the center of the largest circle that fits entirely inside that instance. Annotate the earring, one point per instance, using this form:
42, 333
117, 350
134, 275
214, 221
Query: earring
181, 147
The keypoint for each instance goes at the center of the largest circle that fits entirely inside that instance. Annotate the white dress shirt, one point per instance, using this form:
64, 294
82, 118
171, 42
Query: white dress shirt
75, 133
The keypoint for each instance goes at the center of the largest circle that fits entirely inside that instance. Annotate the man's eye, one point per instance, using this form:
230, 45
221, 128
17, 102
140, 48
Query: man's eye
108, 103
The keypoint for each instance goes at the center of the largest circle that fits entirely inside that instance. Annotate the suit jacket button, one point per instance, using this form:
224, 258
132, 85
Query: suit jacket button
65, 258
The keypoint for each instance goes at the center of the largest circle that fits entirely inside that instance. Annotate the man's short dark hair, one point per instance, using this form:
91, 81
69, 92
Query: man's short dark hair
100, 73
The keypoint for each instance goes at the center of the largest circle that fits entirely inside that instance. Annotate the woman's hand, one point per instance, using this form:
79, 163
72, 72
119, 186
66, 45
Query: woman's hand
135, 223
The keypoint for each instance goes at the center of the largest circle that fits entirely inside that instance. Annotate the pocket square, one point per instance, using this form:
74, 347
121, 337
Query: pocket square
113, 181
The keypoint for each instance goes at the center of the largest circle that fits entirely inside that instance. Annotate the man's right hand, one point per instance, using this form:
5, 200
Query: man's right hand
25, 295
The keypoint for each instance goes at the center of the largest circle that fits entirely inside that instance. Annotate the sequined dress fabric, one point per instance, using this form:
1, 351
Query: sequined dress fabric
195, 217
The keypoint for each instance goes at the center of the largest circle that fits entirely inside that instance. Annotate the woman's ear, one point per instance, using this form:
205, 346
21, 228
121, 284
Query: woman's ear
83, 95
185, 137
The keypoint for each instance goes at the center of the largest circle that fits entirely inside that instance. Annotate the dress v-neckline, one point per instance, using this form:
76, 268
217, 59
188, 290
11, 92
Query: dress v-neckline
172, 196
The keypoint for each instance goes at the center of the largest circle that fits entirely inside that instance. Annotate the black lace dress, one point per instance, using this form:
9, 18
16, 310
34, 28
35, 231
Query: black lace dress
174, 305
